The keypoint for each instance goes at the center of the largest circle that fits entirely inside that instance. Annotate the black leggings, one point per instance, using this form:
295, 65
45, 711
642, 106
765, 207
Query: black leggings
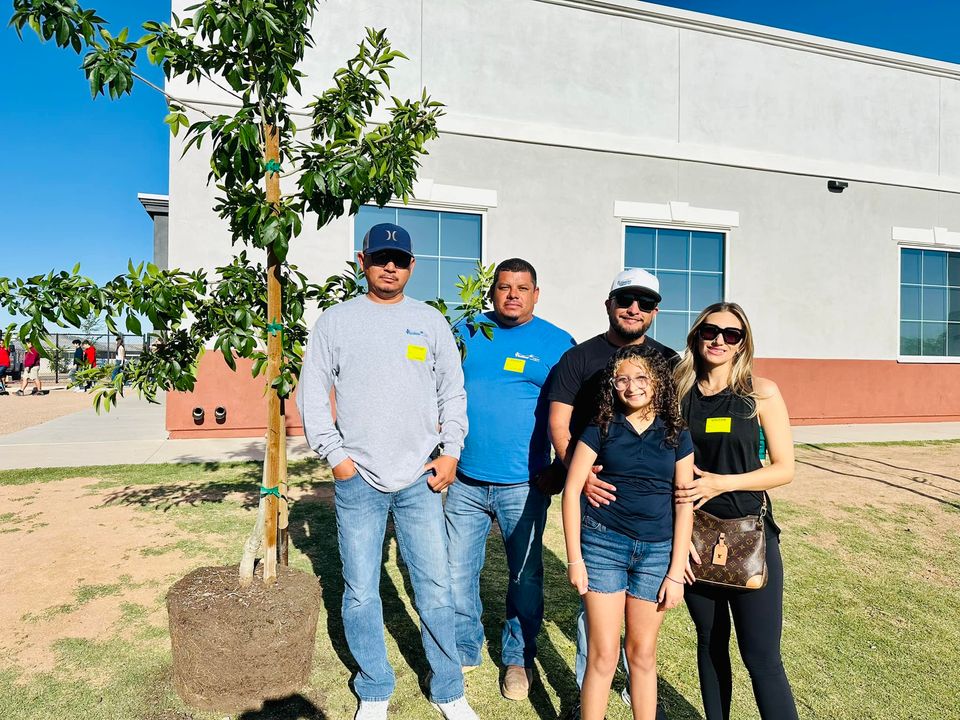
758, 617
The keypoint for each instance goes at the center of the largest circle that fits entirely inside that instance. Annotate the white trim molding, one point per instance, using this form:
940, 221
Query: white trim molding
715, 25
428, 192
577, 139
932, 237
676, 213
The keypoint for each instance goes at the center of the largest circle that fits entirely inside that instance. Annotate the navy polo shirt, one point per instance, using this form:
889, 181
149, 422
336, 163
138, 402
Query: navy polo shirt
641, 466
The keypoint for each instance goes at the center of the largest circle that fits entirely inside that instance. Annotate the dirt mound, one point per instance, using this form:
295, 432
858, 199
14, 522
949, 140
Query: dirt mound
234, 647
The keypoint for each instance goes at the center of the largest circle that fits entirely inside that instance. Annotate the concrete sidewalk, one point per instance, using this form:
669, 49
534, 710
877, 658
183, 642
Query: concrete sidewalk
133, 434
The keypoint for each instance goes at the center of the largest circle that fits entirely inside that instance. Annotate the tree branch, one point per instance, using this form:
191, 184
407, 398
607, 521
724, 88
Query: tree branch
172, 98
227, 90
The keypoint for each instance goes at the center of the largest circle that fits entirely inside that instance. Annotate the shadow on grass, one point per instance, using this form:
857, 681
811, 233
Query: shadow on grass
294, 707
889, 482
245, 484
837, 453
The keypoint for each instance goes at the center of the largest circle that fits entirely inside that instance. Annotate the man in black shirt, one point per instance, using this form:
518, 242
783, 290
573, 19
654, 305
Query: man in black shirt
575, 387
631, 308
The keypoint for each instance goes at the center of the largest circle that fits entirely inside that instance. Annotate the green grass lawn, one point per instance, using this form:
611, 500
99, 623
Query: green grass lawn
872, 628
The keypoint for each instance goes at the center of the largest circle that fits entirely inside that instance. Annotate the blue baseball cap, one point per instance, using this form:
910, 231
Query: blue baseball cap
387, 236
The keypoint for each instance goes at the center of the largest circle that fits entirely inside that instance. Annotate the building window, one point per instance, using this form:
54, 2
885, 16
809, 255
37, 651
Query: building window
689, 266
446, 245
929, 303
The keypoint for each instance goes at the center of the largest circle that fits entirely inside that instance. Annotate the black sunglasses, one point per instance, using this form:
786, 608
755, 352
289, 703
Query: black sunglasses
731, 336
626, 299
385, 257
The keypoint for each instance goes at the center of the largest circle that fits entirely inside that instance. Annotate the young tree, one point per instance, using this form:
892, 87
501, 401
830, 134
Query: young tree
336, 162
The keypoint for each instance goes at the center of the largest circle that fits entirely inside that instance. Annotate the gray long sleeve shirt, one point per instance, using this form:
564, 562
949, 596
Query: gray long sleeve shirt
396, 374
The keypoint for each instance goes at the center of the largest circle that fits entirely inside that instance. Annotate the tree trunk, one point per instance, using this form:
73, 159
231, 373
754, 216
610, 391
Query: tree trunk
275, 428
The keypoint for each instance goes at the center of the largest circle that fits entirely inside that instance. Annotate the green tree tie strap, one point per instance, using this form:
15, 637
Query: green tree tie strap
272, 167
274, 328
275, 491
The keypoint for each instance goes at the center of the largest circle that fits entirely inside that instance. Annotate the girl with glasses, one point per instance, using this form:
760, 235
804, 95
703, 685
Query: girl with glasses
725, 407
627, 559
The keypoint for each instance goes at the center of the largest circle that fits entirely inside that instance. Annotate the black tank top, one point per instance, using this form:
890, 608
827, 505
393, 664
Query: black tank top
726, 441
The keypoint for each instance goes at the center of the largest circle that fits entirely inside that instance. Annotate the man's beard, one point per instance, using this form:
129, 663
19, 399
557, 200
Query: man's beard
628, 335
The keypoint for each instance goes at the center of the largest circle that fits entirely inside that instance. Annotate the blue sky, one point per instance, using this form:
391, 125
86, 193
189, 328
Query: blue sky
76, 165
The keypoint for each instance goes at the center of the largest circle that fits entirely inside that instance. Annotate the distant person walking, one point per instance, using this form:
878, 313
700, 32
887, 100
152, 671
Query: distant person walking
4, 366
78, 361
31, 371
121, 358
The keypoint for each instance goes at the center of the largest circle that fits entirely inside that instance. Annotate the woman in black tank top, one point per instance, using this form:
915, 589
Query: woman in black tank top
725, 407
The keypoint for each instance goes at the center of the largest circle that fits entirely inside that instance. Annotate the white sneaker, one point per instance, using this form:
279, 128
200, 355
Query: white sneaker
372, 710
458, 709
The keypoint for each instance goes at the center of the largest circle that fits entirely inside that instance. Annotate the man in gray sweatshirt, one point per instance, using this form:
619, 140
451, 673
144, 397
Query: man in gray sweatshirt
394, 369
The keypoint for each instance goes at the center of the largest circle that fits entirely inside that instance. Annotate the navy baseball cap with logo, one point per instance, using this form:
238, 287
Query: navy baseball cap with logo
387, 236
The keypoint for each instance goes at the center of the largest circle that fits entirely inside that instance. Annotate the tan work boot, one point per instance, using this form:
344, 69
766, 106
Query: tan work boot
516, 682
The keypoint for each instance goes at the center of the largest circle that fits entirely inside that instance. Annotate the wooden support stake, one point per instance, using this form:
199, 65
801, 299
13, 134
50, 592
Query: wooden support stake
274, 351
284, 521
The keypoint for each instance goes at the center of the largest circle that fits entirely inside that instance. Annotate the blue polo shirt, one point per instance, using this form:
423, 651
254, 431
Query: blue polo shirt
641, 466
506, 403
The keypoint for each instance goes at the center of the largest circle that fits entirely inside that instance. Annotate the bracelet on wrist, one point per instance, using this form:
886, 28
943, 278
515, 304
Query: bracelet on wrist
678, 582
575, 562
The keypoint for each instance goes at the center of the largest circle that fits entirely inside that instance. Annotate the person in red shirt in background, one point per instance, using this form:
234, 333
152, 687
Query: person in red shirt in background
90, 353
31, 371
4, 366
90, 359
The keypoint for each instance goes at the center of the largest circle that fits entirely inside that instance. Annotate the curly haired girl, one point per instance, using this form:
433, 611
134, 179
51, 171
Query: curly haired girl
628, 558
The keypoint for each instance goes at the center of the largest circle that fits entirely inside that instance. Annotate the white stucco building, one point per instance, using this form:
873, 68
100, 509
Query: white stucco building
588, 135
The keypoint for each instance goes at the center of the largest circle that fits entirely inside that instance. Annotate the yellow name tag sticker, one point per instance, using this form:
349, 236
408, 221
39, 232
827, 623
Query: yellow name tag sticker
416, 352
718, 425
514, 365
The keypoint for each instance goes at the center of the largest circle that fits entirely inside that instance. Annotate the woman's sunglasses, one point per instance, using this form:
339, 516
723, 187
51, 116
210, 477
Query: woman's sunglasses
731, 336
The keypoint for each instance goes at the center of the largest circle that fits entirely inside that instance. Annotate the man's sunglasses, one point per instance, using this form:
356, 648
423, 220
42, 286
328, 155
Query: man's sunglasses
626, 299
731, 336
385, 257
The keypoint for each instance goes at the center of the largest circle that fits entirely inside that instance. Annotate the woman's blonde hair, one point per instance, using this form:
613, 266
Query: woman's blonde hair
691, 364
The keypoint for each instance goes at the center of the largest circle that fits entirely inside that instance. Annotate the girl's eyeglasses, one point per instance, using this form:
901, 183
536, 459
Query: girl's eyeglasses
731, 336
622, 382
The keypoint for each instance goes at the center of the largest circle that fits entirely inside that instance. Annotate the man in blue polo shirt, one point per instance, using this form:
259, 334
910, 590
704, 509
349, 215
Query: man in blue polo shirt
506, 448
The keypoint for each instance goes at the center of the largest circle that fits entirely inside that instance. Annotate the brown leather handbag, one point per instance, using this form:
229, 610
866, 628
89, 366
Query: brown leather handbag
733, 553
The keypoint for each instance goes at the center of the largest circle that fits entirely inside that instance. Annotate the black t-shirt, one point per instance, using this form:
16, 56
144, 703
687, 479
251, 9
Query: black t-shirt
726, 441
641, 466
78, 357
576, 378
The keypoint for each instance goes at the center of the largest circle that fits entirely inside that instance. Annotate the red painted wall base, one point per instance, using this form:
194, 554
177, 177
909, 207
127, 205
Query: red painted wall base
238, 392
817, 392
832, 392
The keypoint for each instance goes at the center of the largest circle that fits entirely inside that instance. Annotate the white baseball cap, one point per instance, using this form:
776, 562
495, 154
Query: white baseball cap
637, 279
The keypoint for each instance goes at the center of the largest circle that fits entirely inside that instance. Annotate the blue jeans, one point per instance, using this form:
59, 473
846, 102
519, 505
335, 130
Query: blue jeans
418, 520
521, 513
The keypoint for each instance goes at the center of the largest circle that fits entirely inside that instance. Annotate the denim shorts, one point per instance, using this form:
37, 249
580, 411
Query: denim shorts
616, 562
